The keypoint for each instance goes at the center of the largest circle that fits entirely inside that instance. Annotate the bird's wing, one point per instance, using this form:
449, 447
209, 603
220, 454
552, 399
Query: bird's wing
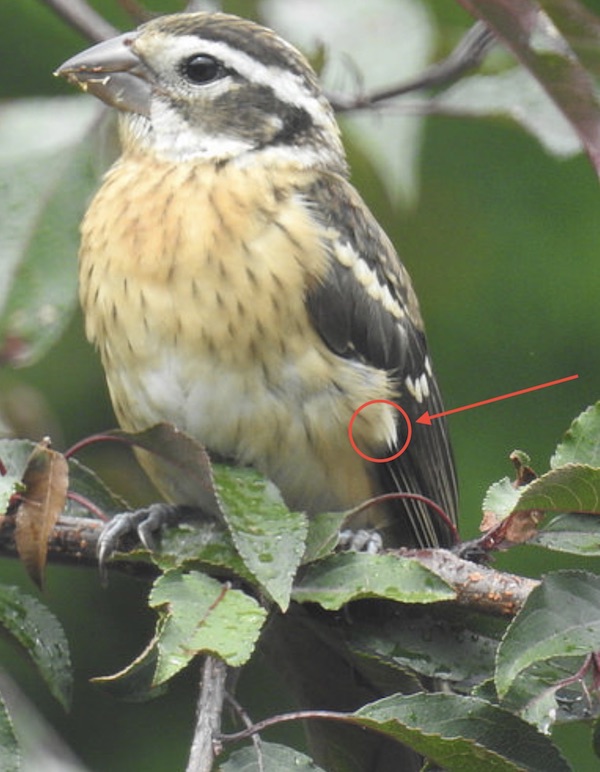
365, 308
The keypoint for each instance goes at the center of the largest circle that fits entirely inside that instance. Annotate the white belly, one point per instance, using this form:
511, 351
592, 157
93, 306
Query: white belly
291, 428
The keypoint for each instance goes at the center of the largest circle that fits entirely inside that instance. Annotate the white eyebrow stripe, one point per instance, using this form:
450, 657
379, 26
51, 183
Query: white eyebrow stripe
286, 85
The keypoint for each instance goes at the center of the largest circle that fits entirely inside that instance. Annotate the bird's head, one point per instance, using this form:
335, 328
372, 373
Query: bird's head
214, 87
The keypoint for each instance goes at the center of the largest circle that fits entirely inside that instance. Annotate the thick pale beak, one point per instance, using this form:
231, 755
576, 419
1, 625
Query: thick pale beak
113, 72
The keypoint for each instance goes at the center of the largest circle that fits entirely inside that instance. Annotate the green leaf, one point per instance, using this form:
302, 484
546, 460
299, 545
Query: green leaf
560, 618
323, 535
465, 734
268, 757
200, 545
46, 178
533, 695
575, 534
199, 614
581, 443
10, 751
42, 637
570, 488
572, 484
14, 454
270, 538
135, 683
455, 646
337, 580
501, 498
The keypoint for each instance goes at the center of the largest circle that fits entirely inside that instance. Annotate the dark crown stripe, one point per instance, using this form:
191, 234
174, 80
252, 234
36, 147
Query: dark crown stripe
258, 42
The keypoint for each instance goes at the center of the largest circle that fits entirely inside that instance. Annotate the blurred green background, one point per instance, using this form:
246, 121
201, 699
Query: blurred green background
502, 243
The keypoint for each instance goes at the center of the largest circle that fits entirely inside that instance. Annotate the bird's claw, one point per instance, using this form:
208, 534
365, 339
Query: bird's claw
143, 523
360, 541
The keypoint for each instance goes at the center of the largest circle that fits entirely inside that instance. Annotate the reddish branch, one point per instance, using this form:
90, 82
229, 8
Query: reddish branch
476, 586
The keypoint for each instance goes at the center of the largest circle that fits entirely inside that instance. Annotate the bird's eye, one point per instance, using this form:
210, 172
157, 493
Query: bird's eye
203, 69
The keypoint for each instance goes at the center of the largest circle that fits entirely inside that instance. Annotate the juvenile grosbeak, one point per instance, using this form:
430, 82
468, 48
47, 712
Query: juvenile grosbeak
238, 287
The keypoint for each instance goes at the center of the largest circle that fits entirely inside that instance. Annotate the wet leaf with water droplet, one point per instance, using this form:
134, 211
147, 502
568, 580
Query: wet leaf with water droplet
462, 734
560, 619
41, 635
197, 614
273, 758
270, 538
337, 580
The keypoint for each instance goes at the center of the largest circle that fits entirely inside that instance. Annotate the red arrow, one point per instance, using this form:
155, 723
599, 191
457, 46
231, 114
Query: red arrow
427, 419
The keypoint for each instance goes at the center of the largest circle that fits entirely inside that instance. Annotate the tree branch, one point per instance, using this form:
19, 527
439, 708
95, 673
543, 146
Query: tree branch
476, 586
467, 55
74, 540
82, 17
205, 745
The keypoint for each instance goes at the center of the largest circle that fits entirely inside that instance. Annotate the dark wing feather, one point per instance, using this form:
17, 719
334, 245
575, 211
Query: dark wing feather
355, 325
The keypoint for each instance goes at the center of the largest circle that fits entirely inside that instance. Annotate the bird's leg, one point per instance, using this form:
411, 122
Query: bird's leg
143, 523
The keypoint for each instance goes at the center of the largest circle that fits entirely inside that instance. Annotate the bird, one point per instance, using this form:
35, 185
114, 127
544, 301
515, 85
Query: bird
237, 286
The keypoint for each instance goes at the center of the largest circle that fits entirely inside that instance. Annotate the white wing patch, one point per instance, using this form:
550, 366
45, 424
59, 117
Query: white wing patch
419, 387
368, 278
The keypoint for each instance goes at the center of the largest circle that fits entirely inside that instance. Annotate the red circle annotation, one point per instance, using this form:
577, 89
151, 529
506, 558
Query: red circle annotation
408, 432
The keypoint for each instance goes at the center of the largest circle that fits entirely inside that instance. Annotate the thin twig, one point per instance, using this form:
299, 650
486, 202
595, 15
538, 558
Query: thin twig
408, 496
282, 718
86, 503
467, 55
82, 17
247, 721
136, 10
206, 745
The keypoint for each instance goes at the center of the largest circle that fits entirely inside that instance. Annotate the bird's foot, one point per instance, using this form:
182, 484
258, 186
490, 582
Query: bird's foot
144, 524
474, 551
362, 540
